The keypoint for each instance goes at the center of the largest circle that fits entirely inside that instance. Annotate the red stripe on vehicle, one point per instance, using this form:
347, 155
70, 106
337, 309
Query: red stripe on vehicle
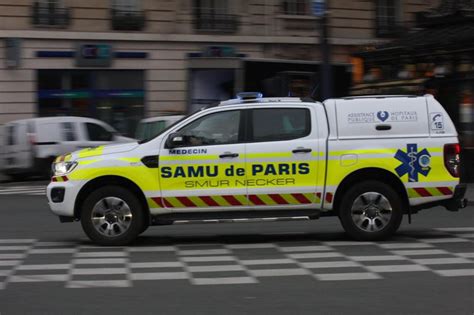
231, 199
318, 194
209, 201
53, 179
445, 190
278, 199
158, 201
422, 192
301, 198
167, 203
256, 201
186, 201
65, 179
329, 197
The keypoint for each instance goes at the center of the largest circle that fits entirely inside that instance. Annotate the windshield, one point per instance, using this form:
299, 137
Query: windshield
149, 131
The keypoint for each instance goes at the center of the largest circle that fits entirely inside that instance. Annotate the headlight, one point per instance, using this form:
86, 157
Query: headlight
63, 168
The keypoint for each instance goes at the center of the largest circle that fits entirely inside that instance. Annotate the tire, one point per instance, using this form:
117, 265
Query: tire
112, 216
371, 211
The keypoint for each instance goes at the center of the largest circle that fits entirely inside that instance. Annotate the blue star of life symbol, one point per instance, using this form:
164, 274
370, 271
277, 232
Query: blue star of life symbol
413, 162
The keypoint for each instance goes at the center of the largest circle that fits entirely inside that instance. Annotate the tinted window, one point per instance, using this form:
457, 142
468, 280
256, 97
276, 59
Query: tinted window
69, 133
217, 128
98, 133
277, 124
149, 130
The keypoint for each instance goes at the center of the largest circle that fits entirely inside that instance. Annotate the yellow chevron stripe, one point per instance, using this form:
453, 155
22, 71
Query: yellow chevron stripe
267, 200
220, 201
197, 201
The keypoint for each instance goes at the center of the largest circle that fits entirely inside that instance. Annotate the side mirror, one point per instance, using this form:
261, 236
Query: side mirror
174, 140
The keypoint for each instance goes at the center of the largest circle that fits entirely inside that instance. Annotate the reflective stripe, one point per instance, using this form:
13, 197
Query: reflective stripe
59, 179
91, 152
420, 192
234, 200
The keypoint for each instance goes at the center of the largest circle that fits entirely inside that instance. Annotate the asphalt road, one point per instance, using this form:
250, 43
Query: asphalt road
294, 267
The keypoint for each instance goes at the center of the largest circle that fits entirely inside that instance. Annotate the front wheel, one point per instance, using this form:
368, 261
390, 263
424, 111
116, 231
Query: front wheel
112, 216
371, 211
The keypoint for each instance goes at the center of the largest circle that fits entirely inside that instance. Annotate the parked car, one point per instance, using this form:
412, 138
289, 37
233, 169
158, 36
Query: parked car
149, 128
30, 145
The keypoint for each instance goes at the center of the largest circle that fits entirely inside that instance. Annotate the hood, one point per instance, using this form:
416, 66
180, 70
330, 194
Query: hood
99, 151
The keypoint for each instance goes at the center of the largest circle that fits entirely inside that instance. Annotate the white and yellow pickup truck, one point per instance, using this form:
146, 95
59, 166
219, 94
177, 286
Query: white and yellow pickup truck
367, 160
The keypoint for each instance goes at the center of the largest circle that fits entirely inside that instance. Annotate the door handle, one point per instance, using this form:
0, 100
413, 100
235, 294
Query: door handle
383, 127
228, 155
302, 150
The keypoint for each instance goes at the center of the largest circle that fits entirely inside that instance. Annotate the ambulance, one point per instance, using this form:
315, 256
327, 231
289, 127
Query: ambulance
367, 160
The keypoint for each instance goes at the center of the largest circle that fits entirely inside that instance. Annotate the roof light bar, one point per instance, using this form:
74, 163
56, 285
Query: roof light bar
249, 95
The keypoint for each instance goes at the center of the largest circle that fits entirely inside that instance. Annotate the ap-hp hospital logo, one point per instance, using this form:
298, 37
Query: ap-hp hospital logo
383, 115
413, 162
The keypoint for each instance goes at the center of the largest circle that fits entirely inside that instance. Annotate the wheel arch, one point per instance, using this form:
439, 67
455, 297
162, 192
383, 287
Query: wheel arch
108, 180
371, 173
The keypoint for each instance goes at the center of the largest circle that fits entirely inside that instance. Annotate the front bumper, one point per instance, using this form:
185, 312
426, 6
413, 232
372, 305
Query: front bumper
65, 207
456, 202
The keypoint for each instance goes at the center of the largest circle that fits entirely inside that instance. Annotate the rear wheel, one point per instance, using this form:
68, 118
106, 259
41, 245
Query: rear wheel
371, 211
112, 215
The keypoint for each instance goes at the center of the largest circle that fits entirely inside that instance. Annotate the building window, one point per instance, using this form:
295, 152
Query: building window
387, 18
50, 13
127, 15
296, 7
215, 15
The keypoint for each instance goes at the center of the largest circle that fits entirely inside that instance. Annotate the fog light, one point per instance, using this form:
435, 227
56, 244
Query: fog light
57, 194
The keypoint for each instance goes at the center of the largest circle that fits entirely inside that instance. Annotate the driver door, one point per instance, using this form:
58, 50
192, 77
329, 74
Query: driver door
204, 169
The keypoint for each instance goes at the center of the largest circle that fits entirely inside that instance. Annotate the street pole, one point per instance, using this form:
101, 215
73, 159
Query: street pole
319, 10
326, 75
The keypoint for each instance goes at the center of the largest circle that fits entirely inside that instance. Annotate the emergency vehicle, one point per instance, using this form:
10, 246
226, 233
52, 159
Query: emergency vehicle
367, 160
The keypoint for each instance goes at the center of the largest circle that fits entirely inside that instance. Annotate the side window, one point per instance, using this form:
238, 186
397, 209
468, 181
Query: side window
69, 131
278, 124
11, 135
98, 133
217, 128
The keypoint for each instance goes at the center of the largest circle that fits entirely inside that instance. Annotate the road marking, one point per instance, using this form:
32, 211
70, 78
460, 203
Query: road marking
163, 264
99, 271
13, 248
290, 249
17, 240
279, 272
159, 276
446, 240
330, 264
192, 252
465, 255
442, 261
455, 272
315, 255
227, 280
44, 267
420, 252
101, 254
347, 276
38, 278
456, 229
52, 251
98, 284
7, 263
12, 256
215, 268
251, 246
405, 245
345, 243
207, 258
377, 258
251, 262
99, 261
397, 268
152, 249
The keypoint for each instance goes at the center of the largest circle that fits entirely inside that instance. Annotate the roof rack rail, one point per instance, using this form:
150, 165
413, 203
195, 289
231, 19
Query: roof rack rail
376, 96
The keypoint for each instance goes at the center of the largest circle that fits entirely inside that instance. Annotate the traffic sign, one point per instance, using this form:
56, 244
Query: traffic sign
318, 7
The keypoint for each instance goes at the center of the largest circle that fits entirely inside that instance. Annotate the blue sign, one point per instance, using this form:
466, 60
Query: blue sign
413, 162
318, 7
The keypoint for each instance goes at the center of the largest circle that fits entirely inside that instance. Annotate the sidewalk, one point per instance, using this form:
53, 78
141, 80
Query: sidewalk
470, 193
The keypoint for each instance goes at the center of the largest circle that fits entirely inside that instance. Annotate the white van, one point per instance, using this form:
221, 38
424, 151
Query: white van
149, 128
30, 145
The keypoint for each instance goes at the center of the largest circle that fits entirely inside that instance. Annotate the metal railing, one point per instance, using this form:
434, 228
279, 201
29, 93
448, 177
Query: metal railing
126, 20
50, 16
228, 23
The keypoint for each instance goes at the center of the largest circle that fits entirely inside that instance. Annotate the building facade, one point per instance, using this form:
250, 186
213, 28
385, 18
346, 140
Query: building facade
122, 60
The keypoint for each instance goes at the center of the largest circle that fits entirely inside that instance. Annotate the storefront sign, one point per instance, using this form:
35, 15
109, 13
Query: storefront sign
94, 55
